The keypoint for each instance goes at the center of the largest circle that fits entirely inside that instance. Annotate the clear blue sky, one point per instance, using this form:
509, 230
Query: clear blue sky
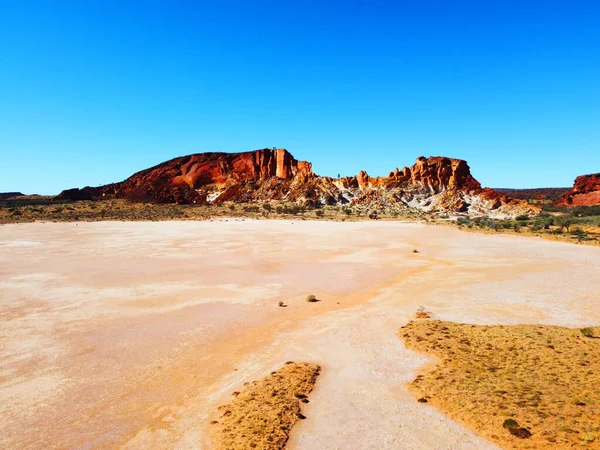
92, 91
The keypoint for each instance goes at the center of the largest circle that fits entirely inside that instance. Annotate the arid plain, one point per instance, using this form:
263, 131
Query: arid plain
130, 335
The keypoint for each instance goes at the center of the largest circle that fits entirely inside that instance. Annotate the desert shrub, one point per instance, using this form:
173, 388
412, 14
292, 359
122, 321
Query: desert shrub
494, 226
545, 220
587, 332
522, 217
347, 210
586, 211
421, 313
553, 208
463, 220
536, 227
319, 213
513, 427
373, 215
576, 231
311, 298
517, 227
565, 222
267, 207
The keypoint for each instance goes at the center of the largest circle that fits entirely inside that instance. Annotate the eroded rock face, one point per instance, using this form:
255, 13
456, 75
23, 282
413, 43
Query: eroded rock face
186, 179
436, 184
436, 173
585, 192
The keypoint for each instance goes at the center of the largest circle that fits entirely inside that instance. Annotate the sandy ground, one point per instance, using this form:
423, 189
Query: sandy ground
131, 334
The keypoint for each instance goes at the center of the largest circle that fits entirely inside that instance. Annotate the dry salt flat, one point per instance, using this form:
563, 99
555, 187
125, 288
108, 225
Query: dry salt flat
130, 335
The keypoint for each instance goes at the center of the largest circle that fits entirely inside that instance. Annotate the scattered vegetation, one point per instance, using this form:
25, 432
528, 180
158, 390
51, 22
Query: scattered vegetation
263, 413
523, 386
311, 298
42, 208
581, 225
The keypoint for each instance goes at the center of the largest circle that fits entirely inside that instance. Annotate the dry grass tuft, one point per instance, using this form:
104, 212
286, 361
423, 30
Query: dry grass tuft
523, 386
263, 413
422, 314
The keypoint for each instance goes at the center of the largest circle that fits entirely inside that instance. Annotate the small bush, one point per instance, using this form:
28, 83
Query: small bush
421, 313
587, 332
311, 298
513, 427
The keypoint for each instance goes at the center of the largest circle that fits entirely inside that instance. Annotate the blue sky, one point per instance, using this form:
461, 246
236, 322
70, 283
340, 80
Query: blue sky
92, 91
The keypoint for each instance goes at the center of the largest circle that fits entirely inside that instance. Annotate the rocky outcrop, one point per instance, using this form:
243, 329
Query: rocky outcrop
585, 192
435, 174
195, 178
436, 184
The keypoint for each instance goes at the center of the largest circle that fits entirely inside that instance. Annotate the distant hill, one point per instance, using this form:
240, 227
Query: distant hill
7, 195
551, 194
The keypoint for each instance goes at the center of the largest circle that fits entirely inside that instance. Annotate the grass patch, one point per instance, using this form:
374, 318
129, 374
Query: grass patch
523, 386
263, 413
42, 208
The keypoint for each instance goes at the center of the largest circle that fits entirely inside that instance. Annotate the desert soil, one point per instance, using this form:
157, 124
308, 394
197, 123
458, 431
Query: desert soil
262, 415
132, 334
544, 378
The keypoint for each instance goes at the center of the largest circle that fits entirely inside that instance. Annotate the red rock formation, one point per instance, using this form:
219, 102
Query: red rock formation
585, 192
437, 173
181, 180
434, 184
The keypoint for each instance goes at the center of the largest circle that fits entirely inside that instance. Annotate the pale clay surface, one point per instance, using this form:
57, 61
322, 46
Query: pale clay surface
129, 335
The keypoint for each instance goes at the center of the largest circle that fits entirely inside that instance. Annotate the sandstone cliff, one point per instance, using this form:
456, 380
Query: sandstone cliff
436, 184
585, 192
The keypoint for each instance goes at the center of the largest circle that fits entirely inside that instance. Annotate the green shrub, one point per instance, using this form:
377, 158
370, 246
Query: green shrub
311, 298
